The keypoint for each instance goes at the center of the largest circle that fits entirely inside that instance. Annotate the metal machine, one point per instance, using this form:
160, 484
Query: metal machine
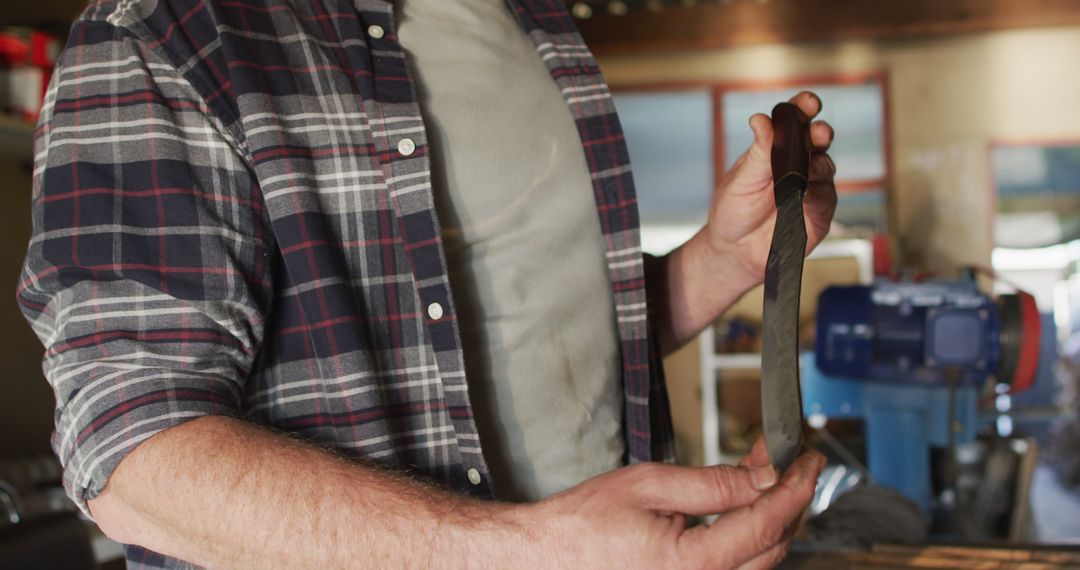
911, 360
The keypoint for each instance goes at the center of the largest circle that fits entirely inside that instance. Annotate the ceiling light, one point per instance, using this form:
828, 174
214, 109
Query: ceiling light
581, 11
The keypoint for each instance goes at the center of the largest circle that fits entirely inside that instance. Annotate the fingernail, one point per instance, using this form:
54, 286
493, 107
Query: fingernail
763, 477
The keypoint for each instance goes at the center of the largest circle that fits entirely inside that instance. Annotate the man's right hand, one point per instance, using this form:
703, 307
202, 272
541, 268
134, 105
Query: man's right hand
222, 493
636, 517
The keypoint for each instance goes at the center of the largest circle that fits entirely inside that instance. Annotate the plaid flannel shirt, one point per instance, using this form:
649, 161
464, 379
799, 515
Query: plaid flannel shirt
233, 214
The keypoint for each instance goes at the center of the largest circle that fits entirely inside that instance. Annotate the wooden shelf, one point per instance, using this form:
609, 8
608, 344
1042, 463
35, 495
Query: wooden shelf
16, 139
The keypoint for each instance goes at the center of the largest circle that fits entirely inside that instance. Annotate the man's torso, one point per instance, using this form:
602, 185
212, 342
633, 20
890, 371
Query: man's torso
240, 192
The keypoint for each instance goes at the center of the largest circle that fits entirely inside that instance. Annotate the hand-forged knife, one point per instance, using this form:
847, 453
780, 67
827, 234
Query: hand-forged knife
781, 399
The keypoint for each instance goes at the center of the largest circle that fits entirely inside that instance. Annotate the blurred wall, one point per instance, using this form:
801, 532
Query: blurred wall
26, 401
949, 97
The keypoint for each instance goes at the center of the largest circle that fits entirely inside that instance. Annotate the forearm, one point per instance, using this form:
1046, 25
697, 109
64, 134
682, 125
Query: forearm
223, 493
690, 287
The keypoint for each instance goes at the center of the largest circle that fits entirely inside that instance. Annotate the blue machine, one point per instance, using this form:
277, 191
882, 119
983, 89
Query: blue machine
907, 358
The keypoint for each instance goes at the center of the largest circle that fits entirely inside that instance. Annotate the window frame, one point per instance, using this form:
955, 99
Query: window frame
717, 89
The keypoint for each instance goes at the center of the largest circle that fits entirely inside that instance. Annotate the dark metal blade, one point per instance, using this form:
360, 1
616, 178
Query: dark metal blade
781, 399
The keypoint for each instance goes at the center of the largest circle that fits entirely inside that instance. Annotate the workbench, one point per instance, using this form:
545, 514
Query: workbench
967, 557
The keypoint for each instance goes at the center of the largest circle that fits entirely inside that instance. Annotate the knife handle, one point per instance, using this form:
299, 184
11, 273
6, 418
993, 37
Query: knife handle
791, 142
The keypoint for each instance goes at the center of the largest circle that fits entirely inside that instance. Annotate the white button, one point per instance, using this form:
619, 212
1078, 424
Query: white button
406, 147
474, 476
375, 31
435, 311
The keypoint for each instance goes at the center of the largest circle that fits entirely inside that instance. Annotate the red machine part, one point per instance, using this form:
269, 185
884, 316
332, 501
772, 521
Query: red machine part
1020, 337
1028, 362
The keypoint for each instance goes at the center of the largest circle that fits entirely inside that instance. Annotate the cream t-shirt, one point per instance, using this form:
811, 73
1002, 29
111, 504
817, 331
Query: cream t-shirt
524, 248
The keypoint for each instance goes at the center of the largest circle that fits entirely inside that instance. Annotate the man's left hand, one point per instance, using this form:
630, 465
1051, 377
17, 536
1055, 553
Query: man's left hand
693, 285
743, 209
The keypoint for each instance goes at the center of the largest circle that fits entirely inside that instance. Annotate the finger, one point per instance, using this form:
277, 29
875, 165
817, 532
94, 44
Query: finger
775, 555
819, 204
821, 135
808, 102
819, 208
747, 532
822, 167
761, 124
771, 558
698, 491
758, 456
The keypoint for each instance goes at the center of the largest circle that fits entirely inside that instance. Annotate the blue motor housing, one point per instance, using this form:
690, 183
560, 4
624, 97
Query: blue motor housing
908, 332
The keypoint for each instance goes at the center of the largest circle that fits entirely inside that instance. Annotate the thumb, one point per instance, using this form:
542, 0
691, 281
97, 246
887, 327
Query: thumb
752, 172
699, 491
762, 126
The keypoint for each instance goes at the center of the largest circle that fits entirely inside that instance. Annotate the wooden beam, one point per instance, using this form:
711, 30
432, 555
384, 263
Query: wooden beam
745, 22
52, 15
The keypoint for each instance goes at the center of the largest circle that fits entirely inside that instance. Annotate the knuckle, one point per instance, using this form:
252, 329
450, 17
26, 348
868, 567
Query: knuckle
640, 478
823, 165
777, 555
644, 471
770, 530
723, 482
803, 493
832, 200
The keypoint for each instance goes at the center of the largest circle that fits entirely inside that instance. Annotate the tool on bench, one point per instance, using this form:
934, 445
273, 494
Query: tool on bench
781, 400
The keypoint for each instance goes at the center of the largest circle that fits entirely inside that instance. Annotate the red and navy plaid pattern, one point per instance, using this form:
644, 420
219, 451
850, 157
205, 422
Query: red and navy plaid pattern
224, 224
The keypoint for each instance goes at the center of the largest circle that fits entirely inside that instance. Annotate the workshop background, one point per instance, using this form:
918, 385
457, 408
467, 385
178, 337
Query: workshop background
958, 153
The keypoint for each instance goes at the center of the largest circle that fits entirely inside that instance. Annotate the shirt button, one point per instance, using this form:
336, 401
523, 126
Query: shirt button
435, 311
406, 147
375, 32
474, 476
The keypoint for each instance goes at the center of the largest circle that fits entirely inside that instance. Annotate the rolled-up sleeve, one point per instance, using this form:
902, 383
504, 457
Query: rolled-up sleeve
146, 277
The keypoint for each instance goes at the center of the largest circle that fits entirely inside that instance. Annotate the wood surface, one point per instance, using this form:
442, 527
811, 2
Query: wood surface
882, 557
